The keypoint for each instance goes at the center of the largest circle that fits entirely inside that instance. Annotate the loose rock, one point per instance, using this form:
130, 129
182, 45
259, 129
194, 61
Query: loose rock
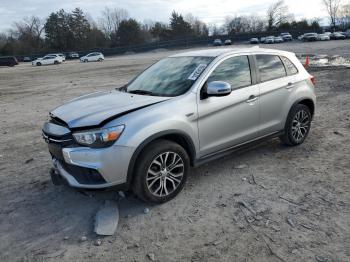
290, 222
98, 242
241, 166
145, 210
321, 258
83, 239
151, 256
121, 194
28, 160
107, 218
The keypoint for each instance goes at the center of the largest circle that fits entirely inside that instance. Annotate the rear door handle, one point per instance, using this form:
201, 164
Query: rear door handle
252, 98
289, 85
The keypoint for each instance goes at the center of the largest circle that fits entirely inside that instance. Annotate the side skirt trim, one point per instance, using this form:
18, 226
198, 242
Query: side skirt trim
229, 150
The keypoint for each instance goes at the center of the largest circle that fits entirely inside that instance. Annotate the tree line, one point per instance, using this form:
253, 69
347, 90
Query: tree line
76, 31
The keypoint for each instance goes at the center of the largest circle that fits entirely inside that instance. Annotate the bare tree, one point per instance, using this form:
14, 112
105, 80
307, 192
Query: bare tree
344, 15
32, 27
111, 19
332, 7
277, 14
244, 24
199, 28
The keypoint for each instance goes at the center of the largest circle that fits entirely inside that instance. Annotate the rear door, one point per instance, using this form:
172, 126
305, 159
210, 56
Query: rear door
233, 119
276, 85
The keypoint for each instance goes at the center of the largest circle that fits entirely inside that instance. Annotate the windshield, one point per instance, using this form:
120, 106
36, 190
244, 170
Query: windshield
171, 76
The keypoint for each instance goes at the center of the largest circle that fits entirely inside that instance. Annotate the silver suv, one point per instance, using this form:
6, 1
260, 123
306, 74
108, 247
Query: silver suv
182, 111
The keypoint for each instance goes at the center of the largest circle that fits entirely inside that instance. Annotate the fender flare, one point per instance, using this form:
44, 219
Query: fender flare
147, 141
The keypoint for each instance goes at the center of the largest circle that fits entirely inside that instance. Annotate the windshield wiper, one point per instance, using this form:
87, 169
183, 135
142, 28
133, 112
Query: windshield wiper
142, 92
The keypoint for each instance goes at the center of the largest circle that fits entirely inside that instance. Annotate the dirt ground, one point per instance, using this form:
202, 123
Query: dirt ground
298, 197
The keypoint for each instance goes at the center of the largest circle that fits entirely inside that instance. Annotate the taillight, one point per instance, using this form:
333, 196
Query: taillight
313, 80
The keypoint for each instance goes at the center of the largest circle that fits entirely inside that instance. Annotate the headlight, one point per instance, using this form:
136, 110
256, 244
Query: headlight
99, 137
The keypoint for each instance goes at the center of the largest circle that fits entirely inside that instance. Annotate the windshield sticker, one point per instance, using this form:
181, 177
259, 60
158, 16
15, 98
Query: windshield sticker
196, 73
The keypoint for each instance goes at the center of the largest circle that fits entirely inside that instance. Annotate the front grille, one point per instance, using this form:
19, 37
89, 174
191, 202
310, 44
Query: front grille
85, 176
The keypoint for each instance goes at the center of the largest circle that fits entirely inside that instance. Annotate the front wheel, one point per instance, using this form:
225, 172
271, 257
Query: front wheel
162, 171
297, 125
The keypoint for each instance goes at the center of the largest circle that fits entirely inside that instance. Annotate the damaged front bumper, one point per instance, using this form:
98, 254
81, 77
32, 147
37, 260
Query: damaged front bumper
84, 167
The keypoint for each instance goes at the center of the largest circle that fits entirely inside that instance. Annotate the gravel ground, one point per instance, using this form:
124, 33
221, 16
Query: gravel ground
268, 203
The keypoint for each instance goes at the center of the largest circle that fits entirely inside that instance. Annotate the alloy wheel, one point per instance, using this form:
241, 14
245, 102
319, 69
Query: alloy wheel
300, 125
165, 174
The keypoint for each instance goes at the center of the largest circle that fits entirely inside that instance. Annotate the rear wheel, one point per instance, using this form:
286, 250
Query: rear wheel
38, 64
100, 59
161, 172
297, 126
85, 61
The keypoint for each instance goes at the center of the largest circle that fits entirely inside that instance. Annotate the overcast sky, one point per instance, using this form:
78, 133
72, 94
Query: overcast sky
210, 11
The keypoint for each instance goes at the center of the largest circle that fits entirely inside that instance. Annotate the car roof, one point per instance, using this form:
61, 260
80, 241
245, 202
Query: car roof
215, 52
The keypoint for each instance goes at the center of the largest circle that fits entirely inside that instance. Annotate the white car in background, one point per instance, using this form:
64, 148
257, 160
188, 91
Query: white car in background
60, 55
47, 60
323, 37
92, 57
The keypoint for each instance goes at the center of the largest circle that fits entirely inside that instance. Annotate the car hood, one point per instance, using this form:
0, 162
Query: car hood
95, 109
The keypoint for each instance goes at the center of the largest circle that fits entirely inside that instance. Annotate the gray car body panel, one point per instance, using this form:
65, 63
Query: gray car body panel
212, 124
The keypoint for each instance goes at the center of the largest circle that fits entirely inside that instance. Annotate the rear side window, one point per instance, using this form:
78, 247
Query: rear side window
234, 70
270, 67
291, 69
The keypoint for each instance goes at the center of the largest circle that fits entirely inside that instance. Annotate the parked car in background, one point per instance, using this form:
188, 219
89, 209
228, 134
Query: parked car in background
93, 57
254, 40
228, 42
323, 37
262, 39
269, 40
347, 33
278, 39
8, 61
337, 36
286, 36
308, 37
47, 60
217, 42
73, 55
184, 110
62, 56
27, 59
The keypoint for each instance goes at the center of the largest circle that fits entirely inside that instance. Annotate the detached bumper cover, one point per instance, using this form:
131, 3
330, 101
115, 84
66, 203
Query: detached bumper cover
85, 167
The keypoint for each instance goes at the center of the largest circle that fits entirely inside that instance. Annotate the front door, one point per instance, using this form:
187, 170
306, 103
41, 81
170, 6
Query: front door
233, 119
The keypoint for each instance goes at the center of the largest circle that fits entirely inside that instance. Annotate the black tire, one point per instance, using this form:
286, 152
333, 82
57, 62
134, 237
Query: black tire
38, 64
85, 61
144, 163
291, 137
55, 62
100, 59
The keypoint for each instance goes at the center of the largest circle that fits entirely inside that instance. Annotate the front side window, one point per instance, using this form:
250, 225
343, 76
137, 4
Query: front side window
171, 76
291, 69
270, 67
234, 70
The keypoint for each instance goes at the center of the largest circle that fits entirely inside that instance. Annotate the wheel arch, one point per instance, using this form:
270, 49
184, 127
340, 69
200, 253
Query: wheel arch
309, 103
176, 136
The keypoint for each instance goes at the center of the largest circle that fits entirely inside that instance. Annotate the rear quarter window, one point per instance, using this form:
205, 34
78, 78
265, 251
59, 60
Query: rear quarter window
290, 67
270, 67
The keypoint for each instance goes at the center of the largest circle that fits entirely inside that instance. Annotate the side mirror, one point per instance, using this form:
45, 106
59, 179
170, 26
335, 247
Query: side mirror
218, 88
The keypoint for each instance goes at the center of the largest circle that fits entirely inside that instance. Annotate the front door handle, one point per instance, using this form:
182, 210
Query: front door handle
252, 98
